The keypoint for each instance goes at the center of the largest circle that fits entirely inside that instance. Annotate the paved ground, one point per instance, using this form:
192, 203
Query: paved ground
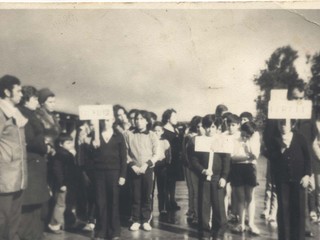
175, 225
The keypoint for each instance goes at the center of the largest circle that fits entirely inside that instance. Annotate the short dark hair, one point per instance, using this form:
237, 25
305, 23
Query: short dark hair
132, 111
27, 93
7, 82
194, 124
249, 128
233, 118
167, 115
145, 115
210, 119
116, 108
220, 109
157, 124
153, 115
247, 115
63, 137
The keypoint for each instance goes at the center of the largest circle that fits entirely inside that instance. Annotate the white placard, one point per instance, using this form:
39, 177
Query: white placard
295, 109
218, 144
95, 112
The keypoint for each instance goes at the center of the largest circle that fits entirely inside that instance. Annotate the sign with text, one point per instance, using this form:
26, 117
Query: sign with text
218, 144
95, 112
295, 109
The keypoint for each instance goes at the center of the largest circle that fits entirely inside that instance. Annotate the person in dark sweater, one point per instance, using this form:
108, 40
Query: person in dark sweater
211, 193
110, 165
65, 176
37, 192
175, 170
86, 193
291, 165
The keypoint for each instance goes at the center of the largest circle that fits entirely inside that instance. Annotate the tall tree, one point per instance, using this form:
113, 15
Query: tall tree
278, 74
314, 84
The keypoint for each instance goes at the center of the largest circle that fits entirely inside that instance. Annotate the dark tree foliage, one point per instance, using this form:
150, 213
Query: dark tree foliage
314, 84
278, 74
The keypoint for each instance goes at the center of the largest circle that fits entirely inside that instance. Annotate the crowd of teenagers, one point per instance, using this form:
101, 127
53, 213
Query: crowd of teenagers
53, 179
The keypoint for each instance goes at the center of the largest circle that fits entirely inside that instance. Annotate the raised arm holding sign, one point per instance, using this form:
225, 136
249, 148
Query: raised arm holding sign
95, 113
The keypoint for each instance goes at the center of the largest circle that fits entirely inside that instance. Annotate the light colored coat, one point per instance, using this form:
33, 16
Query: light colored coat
13, 165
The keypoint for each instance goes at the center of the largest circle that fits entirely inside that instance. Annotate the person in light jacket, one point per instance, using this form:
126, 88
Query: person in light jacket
13, 165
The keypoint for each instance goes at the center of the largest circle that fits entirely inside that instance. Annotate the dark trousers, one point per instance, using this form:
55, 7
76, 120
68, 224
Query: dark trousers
107, 197
86, 199
212, 196
142, 189
32, 222
161, 180
291, 211
10, 215
126, 197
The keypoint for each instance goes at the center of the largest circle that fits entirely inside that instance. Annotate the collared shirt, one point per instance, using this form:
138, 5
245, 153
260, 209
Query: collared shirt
12, 112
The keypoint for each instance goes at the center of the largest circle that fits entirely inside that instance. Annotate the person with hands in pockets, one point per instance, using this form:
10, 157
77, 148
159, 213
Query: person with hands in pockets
143, 152
211, 193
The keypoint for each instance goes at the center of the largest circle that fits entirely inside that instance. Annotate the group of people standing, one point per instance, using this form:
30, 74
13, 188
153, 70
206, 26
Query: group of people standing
51, 178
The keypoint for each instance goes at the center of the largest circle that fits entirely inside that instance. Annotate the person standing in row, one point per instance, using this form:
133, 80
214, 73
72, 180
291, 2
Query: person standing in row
291, 165
13, 165
192, 178
52, 130
110, 166
243, 175
161, 169
65, 184
37, 193
172, 134
143, 153
211, 193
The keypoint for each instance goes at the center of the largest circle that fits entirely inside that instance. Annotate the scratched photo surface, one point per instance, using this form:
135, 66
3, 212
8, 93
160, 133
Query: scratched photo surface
190, 60
154, 59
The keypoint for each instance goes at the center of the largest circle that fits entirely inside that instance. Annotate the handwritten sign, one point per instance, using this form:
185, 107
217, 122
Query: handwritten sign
283, 109
280, 108
95, 112
219, 144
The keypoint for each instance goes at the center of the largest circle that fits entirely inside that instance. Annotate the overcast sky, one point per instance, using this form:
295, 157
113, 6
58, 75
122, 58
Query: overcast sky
190, 60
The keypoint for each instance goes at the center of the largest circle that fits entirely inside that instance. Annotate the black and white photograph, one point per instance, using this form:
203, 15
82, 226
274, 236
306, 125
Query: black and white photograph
160, 121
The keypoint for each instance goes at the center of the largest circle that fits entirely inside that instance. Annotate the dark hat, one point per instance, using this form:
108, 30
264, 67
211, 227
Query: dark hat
44, 93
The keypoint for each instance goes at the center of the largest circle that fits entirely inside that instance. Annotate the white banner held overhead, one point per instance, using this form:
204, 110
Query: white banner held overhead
95, 112
283, 109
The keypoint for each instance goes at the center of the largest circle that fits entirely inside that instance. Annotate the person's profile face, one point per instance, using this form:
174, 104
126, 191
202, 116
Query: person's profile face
33, 103
173, 119
16, 94
50, 103
200, 129
68, 145
244, 120
122, 116
132, 115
